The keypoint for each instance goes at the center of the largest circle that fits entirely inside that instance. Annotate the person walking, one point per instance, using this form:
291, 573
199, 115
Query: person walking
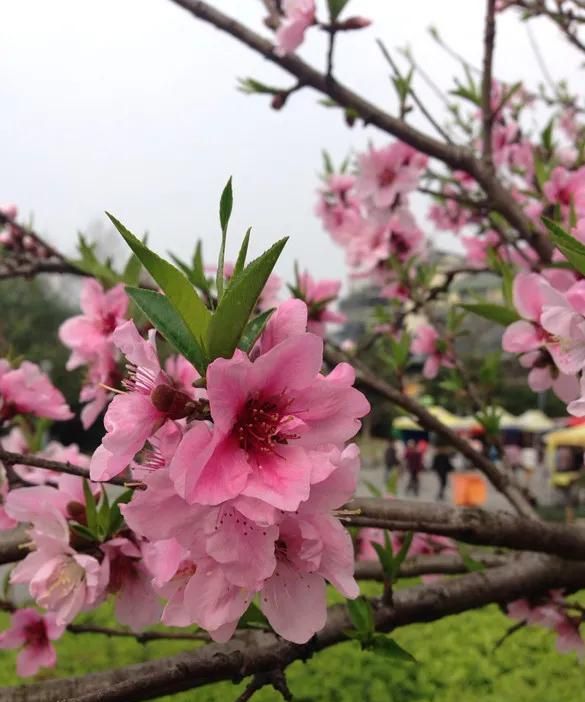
414, 465
391, 462
442, 466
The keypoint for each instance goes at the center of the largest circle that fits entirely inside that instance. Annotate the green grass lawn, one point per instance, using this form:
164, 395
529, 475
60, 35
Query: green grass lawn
456, 663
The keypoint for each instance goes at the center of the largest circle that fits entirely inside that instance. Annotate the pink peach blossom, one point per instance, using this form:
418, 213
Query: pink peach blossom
27, 390
33, 633
299, 15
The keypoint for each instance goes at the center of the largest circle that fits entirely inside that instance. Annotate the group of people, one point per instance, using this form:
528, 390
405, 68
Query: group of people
412, 461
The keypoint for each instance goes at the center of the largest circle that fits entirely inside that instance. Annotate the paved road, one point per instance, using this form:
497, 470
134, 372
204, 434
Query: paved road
538, 483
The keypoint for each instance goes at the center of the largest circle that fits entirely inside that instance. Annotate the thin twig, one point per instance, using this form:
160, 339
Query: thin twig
486, 83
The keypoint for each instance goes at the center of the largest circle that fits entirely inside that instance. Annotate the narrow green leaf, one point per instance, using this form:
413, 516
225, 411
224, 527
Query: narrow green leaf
174, 284
470, 563
495, 313
403, 552
374, 490
170, 324
225, 211
82, 531
336, 8
103, 515
199, 278
383, 645
116, 518
90, 507
131, 274
385, 558
253, 329
253, 618
241, 260
360, 613
236, 306
567, 245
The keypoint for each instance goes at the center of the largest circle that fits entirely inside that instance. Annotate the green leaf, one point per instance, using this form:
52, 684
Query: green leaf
567, 245
116, 518
170, 324
253, 618
89, 263
236, 306
383, 645
385, 558
199, 278
360, 613
470, 563
82, 530
403, 552
225, 212
241, 260
131, 274
374, 490
253, 329
336, 8
327, 162
103, 516
173, 283
495, 313
90, 507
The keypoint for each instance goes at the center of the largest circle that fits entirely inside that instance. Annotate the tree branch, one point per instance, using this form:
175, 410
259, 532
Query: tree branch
256, 652
487, 115
11, 458
457, 157
468, 524
432, 564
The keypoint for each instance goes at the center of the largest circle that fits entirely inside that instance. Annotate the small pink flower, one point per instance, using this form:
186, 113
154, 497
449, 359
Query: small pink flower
318, 295
389, 173
134, 416
59, 579
339, 208
137, 604
426, 343
27, 390
88, 333
299, 15
33, 633
566, 188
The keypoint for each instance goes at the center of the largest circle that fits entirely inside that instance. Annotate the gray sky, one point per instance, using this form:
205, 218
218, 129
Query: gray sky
131, 106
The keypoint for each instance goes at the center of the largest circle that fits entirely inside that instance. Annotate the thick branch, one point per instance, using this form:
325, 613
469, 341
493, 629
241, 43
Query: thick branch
470, 525
37, 462
487, 115
261, 652
457, 157
499, 480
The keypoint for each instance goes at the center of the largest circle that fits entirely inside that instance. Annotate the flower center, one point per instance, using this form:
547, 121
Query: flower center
260, 426
109, 323
36, 634
399, 244
386, 177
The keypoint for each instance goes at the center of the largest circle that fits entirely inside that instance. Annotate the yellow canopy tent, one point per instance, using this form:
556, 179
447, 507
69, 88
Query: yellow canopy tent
535, 421
575, 436
507, 420
443, 415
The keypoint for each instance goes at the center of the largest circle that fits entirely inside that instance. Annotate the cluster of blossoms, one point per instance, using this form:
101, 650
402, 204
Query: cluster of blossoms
368, 213
89, 337
19, 246
550, 337
552, 612
241, 476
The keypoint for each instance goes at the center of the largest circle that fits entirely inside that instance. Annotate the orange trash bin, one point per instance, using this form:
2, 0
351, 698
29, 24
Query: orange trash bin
469, 489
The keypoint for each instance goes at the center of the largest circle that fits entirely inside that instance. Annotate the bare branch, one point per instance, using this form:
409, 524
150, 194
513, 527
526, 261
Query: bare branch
11, 458
457, 157
255, 652
432, 564
487, 115
469, 524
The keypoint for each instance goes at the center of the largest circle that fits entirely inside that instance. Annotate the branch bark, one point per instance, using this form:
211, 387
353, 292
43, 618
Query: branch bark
470, 525
487, 115
261, 652
456, 157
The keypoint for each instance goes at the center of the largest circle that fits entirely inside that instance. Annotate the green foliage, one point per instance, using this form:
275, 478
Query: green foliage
165, 318
226, 203
253, 329
494, 313
336, 8
234, 310
455, 656
567, 245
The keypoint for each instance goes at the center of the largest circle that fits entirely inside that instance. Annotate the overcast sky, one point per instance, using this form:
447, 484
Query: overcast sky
131, 106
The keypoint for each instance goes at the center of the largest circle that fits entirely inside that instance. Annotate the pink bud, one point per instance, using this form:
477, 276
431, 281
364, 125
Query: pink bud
355, 23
